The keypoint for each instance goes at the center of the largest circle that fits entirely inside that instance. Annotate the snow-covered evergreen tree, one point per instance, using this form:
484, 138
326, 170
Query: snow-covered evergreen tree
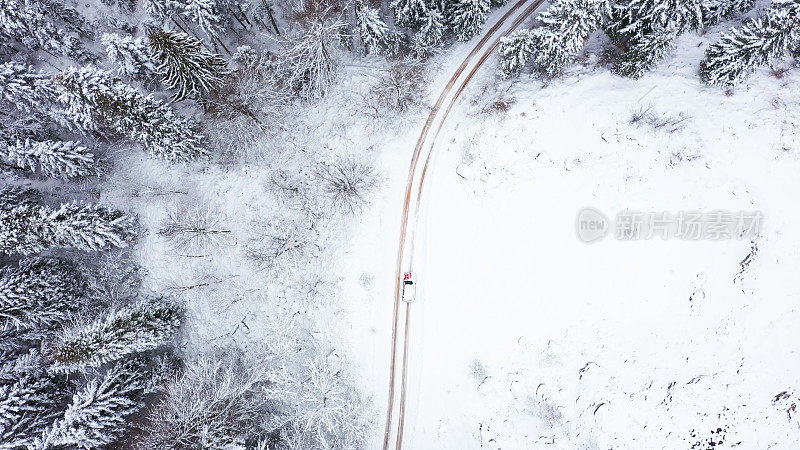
28, 227
131, 56
39, 293
24, 89
21, 227
185, 64
89, 227
635, 18
411, 13
644, 52
203, 14
25, 21
27, 407
516, 51
373, 31
563, 29
647, 29
431, 32
97, 415
716, 10
95, 99
467, 17
757, 42
58, 159
137, 327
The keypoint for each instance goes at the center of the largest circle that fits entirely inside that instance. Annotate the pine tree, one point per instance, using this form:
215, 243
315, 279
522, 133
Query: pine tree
57, 159
137, 327
635, 18
89, 227
185, 64
21, 229
40, 293
410, 13
430, 33
27, 405
132, 56
25, 21
97, 415
203, 13
467, 17
644, 52
516, 51
758, 41
95, 99
564, 27
24, 89
647, 29
28, 227
374, 33
715, 11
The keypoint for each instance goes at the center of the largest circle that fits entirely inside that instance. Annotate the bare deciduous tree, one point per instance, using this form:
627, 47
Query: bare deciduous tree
216, 403
195, 227
283, 243
347, 182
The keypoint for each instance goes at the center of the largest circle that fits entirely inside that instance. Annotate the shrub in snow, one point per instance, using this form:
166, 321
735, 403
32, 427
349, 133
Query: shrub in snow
250, 103
111, 277
94, 99
347, 182
283, 243
138, 327
759, 41
97, 415
398, 90
192, 227
39, 293
185, 64
58, 159
28, 227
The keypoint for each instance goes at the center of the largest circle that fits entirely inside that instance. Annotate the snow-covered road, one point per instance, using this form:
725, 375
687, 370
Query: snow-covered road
402, 343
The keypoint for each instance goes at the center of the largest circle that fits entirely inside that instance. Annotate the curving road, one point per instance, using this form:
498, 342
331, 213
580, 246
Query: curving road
511, 19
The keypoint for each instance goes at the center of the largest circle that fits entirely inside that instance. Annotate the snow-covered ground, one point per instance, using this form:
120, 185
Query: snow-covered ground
525, 337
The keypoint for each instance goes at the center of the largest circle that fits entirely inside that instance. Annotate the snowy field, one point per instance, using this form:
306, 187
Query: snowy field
525, 337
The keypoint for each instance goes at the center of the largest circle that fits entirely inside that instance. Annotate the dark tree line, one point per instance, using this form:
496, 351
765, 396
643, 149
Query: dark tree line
644, 31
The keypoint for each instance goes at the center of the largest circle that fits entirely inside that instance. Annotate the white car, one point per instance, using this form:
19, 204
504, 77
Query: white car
409, 287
